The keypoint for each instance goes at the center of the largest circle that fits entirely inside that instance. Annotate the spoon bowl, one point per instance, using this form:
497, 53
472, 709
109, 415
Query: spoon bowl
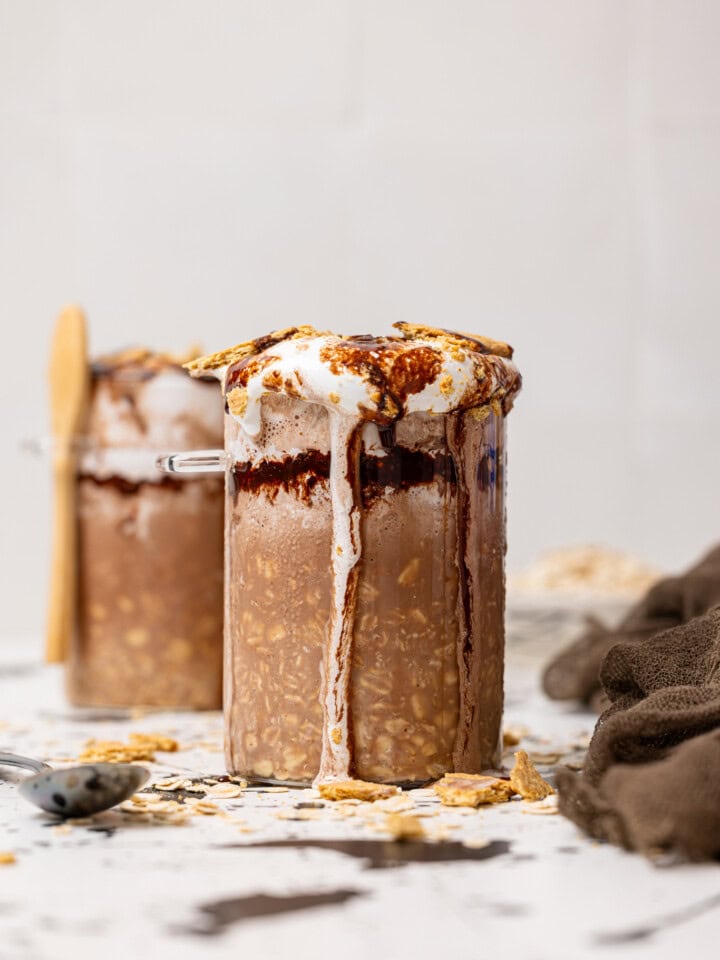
84, 790
77, 791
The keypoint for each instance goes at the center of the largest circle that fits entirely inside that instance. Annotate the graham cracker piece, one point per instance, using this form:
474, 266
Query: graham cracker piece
7, 858
526, 780
237, 401
154, 741
142, 746
356, 790
113, 751
468, 341
249, 348
472, 790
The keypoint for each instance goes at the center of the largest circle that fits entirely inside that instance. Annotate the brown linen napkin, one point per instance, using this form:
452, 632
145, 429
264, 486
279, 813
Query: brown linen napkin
651, 780
574, 674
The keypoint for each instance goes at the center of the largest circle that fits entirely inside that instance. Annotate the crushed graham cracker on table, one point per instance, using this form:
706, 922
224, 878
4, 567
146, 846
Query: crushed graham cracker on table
472, 790
141, 746
7, 858
526, 781
356, 790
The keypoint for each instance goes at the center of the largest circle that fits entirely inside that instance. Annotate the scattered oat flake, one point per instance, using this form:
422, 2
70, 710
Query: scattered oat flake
475, 843
587, 568
176, 783
544, 758
395, 804
526, 780
356, 790
224, 791
205, 807
548, 806
7, 858
404, 826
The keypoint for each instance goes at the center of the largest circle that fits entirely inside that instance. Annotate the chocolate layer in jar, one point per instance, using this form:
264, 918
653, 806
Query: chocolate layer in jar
365, 543
150, 547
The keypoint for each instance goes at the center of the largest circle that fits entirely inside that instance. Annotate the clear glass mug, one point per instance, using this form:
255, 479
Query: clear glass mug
424, 680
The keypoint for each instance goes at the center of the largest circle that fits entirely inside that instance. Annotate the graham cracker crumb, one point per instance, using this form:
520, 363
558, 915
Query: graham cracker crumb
334, 397
356, 790
445, 384
6, 858
511, 738
472, 790
237, 401
479, 413
527, 781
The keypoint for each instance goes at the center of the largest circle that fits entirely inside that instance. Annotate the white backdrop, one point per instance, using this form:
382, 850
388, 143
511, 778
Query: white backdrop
545, 172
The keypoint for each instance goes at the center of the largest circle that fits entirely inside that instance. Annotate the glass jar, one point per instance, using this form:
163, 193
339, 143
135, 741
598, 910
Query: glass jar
364, 573
149, 547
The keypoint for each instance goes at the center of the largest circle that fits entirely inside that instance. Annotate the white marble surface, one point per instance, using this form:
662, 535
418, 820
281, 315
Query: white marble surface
139, 890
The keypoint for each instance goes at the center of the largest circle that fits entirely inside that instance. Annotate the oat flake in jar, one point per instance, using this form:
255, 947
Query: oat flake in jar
365, 544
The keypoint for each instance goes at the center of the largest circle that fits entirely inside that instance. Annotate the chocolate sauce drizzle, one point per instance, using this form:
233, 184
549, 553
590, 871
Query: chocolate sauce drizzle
131, 487
399, 469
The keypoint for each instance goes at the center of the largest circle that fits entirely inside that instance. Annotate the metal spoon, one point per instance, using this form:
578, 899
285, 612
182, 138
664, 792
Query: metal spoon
77, 791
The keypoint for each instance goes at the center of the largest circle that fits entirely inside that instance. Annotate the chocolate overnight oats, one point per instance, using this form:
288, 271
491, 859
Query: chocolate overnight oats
149, 618
365, 544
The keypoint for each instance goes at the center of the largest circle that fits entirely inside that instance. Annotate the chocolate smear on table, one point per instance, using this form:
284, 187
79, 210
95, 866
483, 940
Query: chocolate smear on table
651, 781
384, 854
216, 917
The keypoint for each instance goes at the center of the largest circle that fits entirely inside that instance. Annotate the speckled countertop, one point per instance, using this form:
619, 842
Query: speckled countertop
273, 874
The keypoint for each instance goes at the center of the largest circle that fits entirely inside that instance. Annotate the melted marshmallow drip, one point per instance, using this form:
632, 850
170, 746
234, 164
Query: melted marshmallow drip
335, 758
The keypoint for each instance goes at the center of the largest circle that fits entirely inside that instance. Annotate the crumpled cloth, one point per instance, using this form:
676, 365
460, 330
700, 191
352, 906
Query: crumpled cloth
574, 674
651, 780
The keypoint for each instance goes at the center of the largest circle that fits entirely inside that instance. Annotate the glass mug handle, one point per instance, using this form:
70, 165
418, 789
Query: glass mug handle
193, 461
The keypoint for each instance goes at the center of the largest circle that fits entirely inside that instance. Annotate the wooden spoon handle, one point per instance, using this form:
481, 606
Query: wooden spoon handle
61, 615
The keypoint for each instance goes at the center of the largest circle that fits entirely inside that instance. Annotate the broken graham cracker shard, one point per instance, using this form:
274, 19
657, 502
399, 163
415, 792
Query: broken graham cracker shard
472, 790
249, 348
142, 746
526, 780
356, 790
